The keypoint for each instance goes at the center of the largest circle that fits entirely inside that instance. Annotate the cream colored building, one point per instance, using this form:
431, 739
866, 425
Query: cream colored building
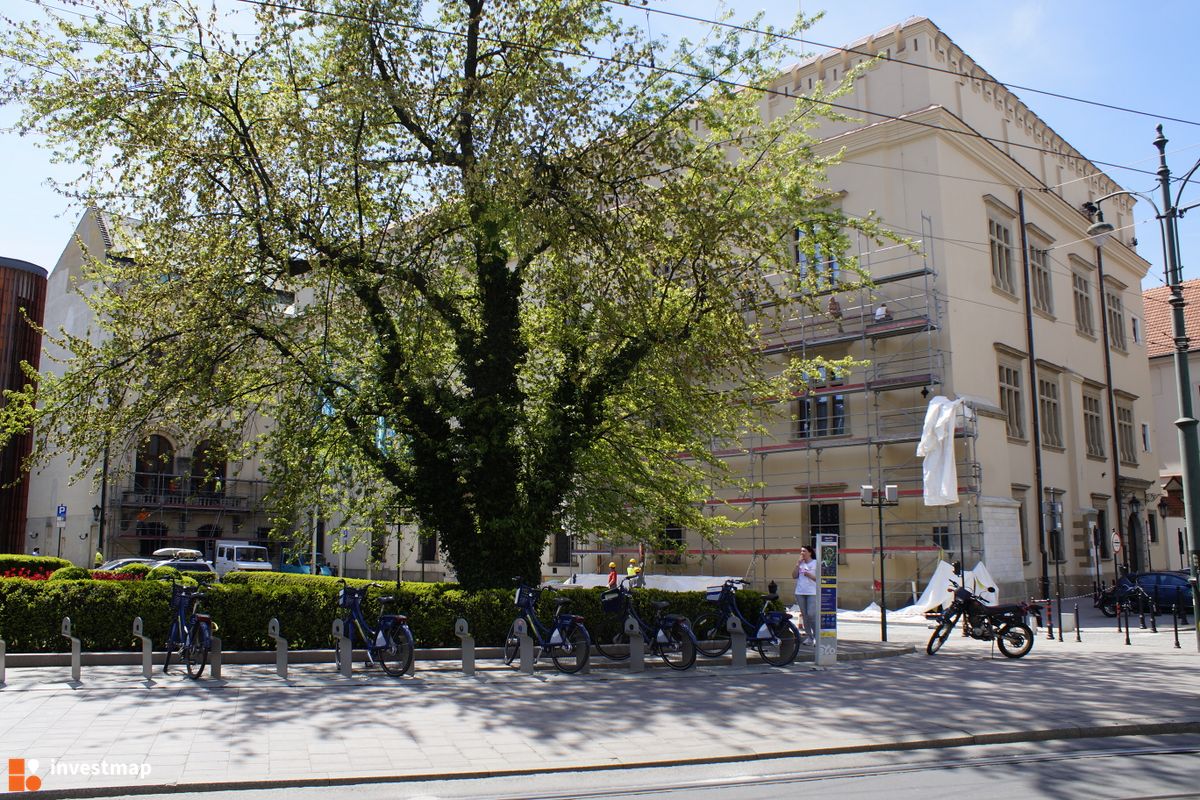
948, 157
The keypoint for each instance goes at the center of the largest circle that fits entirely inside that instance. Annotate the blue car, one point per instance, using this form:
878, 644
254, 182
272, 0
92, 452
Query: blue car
1162, 591
301, 565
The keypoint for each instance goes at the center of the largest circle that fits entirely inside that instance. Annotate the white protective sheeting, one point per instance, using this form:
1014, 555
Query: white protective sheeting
670, 583
937, 447
937, 593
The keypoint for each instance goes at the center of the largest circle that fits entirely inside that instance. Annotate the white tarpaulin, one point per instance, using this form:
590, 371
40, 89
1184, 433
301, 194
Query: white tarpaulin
937, 447
670, 583
937, 593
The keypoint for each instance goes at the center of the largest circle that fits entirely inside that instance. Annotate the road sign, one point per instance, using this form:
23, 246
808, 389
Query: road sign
62, 513
1116, 542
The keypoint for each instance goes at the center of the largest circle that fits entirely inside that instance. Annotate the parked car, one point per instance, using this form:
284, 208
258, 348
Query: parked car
300, 564
117, 563
240, 556
182, 559
1163, 590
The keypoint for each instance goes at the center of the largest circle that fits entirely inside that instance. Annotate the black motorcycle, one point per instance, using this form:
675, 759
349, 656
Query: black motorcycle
1005, 625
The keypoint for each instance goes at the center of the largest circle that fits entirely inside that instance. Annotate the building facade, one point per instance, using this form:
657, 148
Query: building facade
22, 302
1000, 301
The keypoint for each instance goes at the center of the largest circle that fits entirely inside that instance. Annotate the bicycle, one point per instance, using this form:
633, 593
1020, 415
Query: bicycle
566, 640
191, 631
669, 637
772, 634
389, 643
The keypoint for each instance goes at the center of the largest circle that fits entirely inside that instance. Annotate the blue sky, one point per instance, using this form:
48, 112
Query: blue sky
1134, 55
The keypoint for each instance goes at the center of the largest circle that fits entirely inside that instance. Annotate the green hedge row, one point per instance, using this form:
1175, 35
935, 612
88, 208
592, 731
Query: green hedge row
102, 612
46, 564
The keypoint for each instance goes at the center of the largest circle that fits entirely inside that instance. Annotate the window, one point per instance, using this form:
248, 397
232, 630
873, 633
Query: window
1093, 424
824, 518
1135, 328
1152, 528
1125, 433
1145, 438
153, 466
1116, 319
560, 553
1040, 275
1083, 305
428, 551
672, 537
1050, 415
816, 251
824, 414
1023, 527
1104, 543
1010, 401
1000, 239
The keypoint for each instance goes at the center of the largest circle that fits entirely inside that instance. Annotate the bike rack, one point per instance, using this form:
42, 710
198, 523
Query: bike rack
147, 650
737, 641
75, 649
281, 648
343, 648
214, 658
463, 632
521, 628
637, 646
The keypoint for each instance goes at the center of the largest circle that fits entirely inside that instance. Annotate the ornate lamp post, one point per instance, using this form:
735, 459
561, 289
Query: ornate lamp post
888, 495
1189, 437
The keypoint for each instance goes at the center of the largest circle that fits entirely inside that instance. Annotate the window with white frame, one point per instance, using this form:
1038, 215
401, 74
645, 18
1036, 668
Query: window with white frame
1145, 438
1093, 423
1125, 440
816, 250
1039, 272
1010, 400
1135, 328
1116, 318
1000, 241
1050, 412
1084, 322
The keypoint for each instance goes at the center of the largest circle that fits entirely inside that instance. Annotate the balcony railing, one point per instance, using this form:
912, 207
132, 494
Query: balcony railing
188, 492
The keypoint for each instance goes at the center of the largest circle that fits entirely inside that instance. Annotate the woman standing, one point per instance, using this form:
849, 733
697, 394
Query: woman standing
805, 574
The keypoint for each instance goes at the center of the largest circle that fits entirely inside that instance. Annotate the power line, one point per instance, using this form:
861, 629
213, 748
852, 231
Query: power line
888, 57
970, 133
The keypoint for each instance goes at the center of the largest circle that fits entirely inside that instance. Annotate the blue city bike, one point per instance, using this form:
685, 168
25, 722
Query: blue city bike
388, 643
190, 633
772, 633
669, 636
565, 640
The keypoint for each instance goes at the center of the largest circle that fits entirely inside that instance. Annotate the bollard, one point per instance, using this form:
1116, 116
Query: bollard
737, 641
214, 658
1077, 625
343, 651
526, 646
1049, 618
281, 648
1142, 610
1125, 609
1153, 620
147, 649
1174, 622
75, 648
412, 662
1118, 617
463, 631
637, 645
2, 649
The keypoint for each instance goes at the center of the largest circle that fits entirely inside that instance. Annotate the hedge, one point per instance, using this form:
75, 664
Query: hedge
42, 564
306, 605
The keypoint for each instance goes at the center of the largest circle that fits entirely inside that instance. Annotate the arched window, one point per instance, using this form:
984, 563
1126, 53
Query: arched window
153, 469
208, 469
151, 536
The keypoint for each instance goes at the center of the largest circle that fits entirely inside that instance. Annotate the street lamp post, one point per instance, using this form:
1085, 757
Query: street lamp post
1189, 437
888, 495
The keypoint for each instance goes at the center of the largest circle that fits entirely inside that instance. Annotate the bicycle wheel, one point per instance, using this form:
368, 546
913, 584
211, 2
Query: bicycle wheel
1015, 640
396, 655
169, 646
512, 643
712, 638
614, 647
783, 646
573, 654
941, 633
195, 652
679, 651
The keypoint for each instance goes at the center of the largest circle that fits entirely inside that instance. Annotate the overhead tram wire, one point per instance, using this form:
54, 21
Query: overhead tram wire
881, 56
766, 90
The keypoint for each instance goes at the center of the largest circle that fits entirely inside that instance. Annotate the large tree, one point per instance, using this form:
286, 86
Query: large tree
525, 243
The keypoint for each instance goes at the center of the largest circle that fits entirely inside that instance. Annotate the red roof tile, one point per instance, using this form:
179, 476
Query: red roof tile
1159, 321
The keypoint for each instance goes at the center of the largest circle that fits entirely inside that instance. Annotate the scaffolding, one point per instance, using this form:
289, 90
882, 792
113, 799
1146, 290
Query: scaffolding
841, 432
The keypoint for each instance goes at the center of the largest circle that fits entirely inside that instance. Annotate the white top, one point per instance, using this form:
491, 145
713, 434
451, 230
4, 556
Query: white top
806, 583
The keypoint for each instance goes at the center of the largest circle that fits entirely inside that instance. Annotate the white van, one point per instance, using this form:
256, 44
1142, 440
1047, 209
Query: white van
240, 555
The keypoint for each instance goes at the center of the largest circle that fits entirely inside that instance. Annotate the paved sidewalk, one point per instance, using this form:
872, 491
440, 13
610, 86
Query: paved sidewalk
256, 729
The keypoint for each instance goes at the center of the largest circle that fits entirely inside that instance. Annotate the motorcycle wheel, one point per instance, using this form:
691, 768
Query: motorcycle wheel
941, 633
1015, 639
1108, 607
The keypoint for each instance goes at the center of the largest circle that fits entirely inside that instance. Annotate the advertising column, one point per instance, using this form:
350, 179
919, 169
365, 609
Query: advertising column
827, 561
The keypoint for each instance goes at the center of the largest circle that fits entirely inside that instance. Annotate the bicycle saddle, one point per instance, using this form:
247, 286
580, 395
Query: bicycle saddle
562, 601
388, 599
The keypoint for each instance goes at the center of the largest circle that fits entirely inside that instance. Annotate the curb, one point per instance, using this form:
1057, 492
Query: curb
1009, 737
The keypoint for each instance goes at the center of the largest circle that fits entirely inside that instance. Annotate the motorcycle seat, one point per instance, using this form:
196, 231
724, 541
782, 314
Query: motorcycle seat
1005, 609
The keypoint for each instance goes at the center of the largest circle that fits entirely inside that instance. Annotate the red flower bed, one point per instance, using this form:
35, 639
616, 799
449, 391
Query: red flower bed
28, 574
115, 576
